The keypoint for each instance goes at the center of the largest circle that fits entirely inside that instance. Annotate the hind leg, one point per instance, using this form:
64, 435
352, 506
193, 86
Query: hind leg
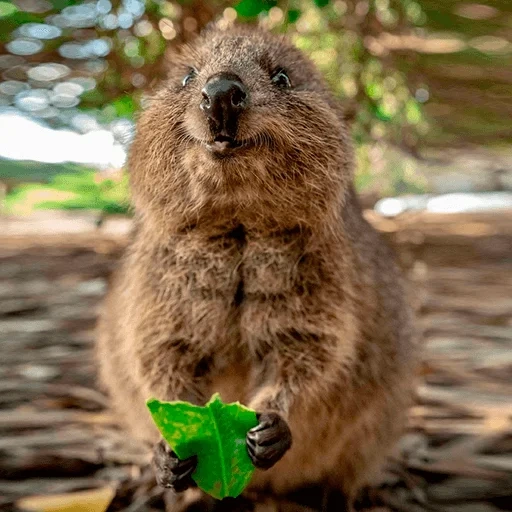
367, 445
338, 450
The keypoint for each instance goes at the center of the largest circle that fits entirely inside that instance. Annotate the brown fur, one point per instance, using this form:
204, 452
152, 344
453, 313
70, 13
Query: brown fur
256, 275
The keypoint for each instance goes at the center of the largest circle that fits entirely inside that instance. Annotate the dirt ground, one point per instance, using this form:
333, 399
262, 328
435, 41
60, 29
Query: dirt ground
56, 435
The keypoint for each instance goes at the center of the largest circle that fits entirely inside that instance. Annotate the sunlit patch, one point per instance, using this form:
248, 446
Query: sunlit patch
48, 72
13, 87
476, 11
97, 146
24, 46
447, 203
32, 100
40, 31
33, 198
491, 44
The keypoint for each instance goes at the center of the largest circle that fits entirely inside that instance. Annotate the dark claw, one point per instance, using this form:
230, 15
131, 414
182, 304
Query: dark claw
171, 472
268, 441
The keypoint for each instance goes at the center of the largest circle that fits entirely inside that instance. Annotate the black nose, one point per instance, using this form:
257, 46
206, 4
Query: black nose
224, 98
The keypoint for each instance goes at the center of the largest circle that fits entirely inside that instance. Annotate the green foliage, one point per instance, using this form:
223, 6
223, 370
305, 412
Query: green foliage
383, 171
19, 171
7, 9
117, 44
252, 8
292, 15
124, 106
82, 190
216, 434
375, 54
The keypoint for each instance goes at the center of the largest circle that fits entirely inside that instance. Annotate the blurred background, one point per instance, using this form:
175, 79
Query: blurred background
428, 85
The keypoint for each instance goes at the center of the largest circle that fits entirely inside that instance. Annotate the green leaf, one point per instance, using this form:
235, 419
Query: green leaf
216, 434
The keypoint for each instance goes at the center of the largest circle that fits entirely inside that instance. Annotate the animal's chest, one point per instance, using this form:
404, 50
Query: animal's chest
209, 282
204, 269
198, 280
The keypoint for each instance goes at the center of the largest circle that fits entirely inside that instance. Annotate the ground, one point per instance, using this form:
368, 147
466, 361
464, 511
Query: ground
56, 435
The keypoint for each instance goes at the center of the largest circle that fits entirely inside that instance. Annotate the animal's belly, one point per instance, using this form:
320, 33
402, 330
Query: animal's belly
232, 382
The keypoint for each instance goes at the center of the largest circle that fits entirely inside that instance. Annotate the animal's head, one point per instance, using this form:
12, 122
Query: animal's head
244, 123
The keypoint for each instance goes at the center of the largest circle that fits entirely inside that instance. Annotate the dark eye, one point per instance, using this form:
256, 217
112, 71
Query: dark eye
190, 76
281, 79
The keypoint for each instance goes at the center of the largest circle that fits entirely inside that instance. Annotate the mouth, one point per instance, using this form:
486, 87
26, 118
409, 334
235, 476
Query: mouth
224, 146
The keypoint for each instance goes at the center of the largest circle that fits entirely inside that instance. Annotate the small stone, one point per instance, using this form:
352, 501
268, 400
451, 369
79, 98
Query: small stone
91, 288
38, 372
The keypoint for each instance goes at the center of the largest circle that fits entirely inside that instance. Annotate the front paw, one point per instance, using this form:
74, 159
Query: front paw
171, 472
268, 441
